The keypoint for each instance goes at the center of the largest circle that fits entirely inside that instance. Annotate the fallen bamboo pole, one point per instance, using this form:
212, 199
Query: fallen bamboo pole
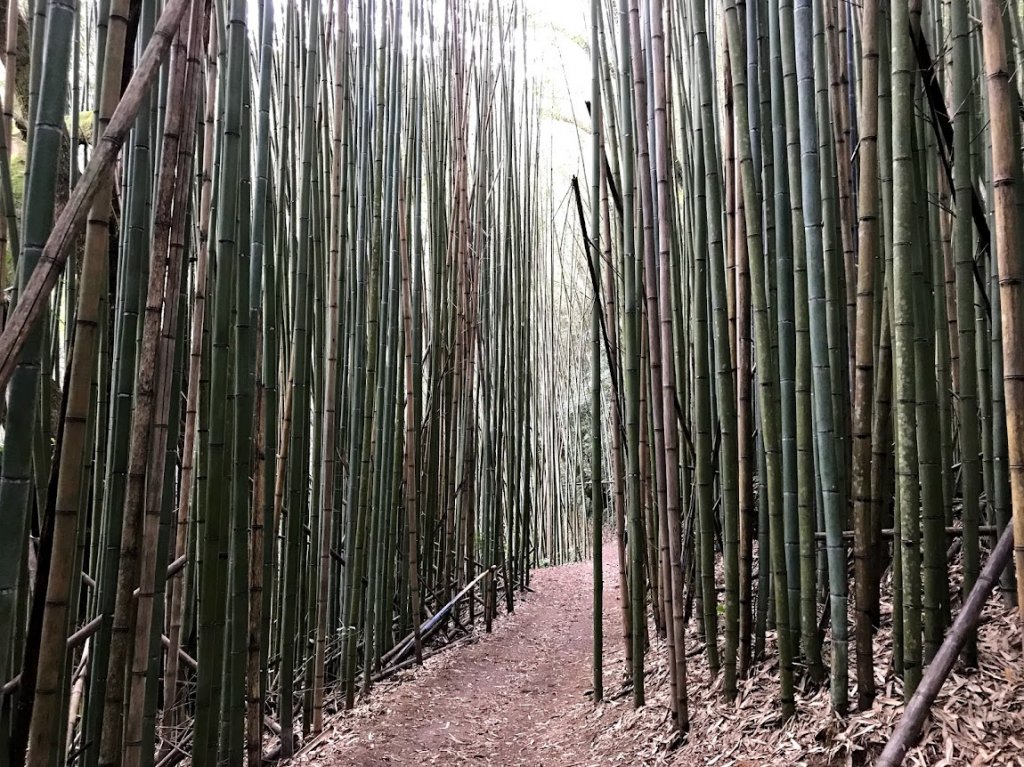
431, 623
888, 532
72, 642
33, 299
189, 660
908, 730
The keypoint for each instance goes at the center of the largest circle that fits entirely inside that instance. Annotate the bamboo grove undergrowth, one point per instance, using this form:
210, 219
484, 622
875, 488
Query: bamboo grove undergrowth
802, 232
272, 358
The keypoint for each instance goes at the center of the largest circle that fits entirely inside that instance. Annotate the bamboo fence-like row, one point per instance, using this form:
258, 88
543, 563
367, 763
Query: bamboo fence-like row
804, 243
270, 357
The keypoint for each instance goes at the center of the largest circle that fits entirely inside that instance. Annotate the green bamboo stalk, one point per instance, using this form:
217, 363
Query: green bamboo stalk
16, 478
903, 359
963, 256
596, 485
867, 251
631, 375
44, 734
766, 375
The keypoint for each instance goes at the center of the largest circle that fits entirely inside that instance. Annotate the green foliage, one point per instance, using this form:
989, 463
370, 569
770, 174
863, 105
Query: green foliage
85, 126
18, 173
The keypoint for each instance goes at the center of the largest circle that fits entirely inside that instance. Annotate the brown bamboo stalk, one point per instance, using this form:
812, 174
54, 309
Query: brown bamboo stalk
168, 229
34, 299
1002, 96
176, 586
117, 701
44, 729
675, 596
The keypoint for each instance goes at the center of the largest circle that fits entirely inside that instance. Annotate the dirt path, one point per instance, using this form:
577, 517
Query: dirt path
516, 697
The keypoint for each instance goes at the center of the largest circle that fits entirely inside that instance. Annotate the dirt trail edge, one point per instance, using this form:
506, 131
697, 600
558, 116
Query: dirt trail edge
516, 697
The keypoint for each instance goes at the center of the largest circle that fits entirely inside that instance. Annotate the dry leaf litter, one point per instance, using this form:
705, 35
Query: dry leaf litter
521, 696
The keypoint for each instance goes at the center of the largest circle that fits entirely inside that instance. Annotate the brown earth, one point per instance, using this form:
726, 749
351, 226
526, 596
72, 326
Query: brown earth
518, 696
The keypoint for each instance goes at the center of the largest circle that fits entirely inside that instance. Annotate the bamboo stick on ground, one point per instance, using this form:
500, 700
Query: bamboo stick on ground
909, 727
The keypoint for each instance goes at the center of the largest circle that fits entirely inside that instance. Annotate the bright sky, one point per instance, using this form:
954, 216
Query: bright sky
559, 57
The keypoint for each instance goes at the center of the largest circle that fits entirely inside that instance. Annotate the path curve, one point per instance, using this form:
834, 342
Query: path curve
516, 697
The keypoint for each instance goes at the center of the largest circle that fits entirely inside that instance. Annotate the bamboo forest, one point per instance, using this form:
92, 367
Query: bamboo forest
510, 382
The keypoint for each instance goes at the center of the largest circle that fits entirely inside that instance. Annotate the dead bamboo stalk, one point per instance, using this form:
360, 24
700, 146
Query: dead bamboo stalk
34, 299
431, 623
909, 727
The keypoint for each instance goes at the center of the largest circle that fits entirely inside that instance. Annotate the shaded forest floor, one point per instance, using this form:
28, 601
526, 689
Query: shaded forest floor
517, 696
521, 696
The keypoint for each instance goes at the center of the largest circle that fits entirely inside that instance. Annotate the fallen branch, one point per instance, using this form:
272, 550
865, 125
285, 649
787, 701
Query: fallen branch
176, 751
909, 728
428, 626
889, 532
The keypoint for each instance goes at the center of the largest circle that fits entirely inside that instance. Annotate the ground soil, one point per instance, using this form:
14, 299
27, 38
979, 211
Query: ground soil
522, 696
515, 697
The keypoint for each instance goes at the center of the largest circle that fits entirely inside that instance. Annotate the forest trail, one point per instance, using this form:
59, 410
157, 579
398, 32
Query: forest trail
518, 696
